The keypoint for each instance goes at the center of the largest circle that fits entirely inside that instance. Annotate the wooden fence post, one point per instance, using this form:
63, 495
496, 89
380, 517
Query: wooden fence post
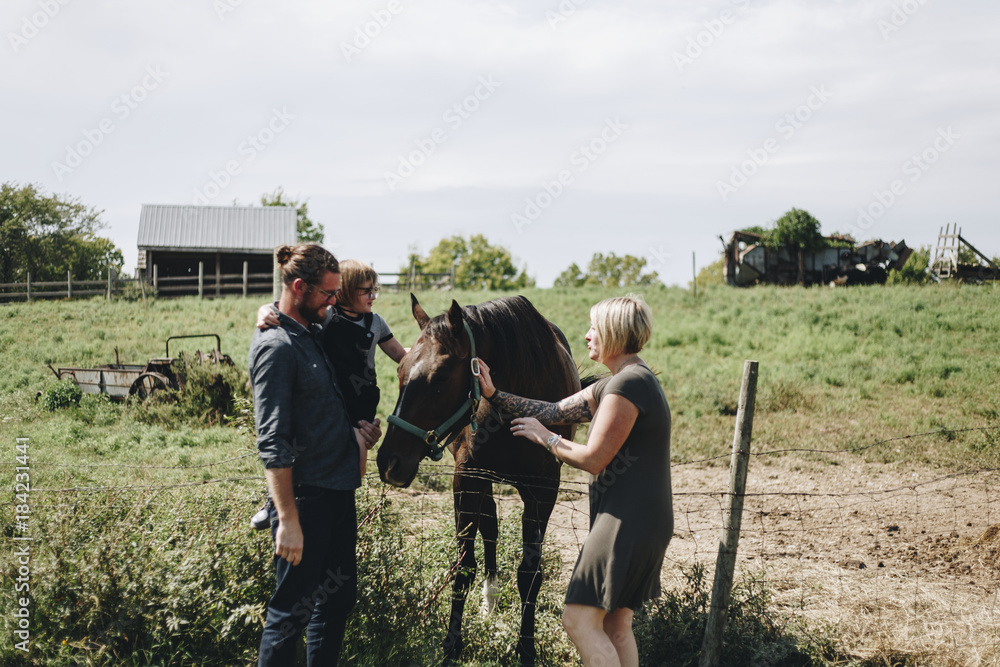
69, 284
246, 277
694, 277
725, 565
201, 280
275, 277
156, 277
28, 287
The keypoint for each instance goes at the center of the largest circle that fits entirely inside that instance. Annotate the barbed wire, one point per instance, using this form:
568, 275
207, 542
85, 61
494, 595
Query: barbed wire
134, 465
524, 480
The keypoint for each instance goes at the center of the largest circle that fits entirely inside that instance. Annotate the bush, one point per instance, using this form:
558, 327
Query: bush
669, 630
62, 395
209, 394
176, 576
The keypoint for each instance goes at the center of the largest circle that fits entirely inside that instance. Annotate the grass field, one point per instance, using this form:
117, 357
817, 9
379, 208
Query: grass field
158, 575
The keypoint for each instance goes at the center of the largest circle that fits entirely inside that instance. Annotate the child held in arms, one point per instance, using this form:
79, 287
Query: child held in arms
350, 333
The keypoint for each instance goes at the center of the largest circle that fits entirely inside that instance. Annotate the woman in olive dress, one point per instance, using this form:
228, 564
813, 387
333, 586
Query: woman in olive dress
628, 455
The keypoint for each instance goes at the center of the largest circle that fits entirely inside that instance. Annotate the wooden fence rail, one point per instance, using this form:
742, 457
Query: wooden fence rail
199, 284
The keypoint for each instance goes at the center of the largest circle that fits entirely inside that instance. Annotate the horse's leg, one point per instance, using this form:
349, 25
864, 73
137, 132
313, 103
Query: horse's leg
489, 528
469, 494
538, 504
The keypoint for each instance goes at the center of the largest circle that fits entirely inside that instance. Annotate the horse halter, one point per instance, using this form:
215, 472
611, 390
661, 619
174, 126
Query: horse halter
433, 436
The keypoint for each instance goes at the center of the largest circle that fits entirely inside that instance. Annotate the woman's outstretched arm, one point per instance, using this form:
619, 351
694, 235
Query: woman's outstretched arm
579, 407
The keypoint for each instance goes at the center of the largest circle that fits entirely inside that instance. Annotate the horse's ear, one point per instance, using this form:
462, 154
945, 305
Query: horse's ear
418, 312
455, 317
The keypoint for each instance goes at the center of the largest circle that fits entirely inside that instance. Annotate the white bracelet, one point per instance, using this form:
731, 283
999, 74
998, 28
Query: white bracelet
552, 441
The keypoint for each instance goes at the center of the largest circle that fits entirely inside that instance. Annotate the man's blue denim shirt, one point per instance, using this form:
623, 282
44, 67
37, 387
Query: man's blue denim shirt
301, 420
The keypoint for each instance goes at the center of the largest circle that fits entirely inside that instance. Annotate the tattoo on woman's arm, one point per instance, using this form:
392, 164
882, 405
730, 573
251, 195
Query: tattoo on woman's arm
572, 410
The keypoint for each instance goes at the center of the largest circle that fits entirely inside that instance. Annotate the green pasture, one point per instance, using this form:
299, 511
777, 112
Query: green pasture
161, 569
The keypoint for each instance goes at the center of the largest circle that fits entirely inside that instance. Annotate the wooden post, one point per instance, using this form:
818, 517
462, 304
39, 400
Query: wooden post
218, 274
201, 280
28, 287
69, 284
725, 565
694, 277
142, 282
246, 277
110, 286
156, 277
276, 278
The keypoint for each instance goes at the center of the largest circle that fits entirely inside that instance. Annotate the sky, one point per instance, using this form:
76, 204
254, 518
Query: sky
556, 128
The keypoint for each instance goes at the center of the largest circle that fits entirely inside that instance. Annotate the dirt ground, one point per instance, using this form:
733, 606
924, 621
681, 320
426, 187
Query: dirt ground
894, 562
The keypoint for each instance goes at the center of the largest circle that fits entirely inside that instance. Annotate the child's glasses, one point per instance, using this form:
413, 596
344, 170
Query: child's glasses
371, 292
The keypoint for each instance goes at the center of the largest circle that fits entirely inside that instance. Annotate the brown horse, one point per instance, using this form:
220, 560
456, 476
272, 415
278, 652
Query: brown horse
438, 402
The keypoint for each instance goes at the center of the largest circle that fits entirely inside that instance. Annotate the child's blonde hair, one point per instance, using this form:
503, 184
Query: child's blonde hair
354, 274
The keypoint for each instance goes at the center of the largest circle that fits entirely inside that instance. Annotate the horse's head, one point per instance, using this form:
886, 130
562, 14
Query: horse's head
435, 383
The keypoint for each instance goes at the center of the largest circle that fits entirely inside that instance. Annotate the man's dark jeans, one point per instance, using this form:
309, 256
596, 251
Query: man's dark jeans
318, 593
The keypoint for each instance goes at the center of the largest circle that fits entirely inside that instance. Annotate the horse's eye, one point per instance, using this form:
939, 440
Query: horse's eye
438, 378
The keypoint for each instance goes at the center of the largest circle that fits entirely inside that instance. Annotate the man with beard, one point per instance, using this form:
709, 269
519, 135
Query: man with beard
311, 459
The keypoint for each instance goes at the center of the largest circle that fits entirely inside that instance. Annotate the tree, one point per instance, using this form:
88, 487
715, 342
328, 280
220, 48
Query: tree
610, 271
47, 236
797, 229
571, 277
306, 231
477, 264
711, 274
914, 271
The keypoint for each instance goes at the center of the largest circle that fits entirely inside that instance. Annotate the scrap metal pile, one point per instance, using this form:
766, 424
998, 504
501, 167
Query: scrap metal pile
748, 261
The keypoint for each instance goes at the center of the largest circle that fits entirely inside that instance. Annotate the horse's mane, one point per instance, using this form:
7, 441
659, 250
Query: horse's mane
525, 344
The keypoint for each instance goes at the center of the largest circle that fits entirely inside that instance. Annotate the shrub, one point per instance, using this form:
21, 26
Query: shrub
61, 395
669, 630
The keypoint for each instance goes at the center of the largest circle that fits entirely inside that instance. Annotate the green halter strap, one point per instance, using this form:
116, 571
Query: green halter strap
433, 437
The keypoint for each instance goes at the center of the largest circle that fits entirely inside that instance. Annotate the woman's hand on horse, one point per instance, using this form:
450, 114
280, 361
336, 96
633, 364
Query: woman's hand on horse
530, 428
485, 381
266, 317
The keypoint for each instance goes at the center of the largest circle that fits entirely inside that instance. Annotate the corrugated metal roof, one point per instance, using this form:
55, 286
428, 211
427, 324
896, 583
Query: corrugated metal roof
235, 228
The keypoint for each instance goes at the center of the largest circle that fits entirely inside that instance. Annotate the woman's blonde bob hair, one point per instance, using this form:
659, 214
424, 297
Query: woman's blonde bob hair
624, 324
354, 274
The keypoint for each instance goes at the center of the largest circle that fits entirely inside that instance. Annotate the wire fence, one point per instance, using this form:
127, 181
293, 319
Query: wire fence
877, 554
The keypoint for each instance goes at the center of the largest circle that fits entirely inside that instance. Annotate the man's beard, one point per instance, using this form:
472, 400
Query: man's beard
313, 316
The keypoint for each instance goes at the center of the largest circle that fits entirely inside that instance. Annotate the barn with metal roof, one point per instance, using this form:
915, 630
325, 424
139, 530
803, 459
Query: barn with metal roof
212, 250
